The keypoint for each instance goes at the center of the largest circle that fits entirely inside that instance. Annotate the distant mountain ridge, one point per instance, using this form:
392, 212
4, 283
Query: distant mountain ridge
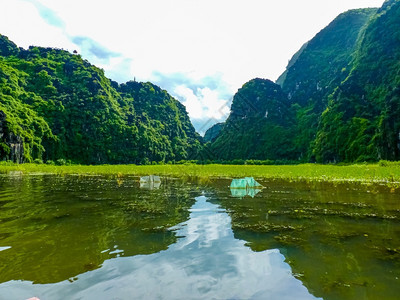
339, 93
213, 132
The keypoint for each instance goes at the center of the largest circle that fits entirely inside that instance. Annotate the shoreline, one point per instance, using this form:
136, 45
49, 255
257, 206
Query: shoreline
364, 173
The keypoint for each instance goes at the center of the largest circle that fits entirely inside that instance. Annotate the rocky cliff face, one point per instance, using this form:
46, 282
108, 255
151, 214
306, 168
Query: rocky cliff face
11, 145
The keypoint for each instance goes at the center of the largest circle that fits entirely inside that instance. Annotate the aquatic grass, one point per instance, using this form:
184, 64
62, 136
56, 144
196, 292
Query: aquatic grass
365, 173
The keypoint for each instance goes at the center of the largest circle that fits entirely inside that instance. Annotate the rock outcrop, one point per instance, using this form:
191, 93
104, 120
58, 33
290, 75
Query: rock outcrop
11, 145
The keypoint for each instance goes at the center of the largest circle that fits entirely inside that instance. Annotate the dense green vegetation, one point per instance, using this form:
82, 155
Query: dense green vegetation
362, 121
258, 126
320, 67
62, 107
213, 132
339, 101
387, 173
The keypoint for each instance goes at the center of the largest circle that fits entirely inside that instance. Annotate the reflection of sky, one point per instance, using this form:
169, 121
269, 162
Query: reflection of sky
207, 262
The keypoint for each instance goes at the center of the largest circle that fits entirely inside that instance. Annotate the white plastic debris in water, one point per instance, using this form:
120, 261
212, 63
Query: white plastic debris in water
15, 173
241, 193
150, 185
150, 178
4, 248
150, 182
245, 187
245, 183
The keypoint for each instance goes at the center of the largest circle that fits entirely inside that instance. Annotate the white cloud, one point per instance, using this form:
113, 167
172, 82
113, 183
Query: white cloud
230, 41
205, 104
192, 103
22, 23
215, 107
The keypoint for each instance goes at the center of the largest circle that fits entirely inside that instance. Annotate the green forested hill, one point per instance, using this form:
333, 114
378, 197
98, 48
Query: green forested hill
314, 73
340, 97
362, 120
55, 105
164, 128
259, 126
212, 133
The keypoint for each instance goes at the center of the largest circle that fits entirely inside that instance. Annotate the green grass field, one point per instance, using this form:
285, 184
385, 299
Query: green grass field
378, 173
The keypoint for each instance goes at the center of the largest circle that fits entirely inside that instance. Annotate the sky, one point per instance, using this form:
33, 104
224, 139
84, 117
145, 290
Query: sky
201, 52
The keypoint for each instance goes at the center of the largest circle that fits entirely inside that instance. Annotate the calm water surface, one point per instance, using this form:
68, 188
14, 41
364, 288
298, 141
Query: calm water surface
78, 237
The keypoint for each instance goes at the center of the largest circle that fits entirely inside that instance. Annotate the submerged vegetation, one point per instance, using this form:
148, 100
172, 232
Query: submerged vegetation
71, 224
340, 241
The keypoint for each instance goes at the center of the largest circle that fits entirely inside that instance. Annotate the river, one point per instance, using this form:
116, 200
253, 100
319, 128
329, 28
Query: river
94, 237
